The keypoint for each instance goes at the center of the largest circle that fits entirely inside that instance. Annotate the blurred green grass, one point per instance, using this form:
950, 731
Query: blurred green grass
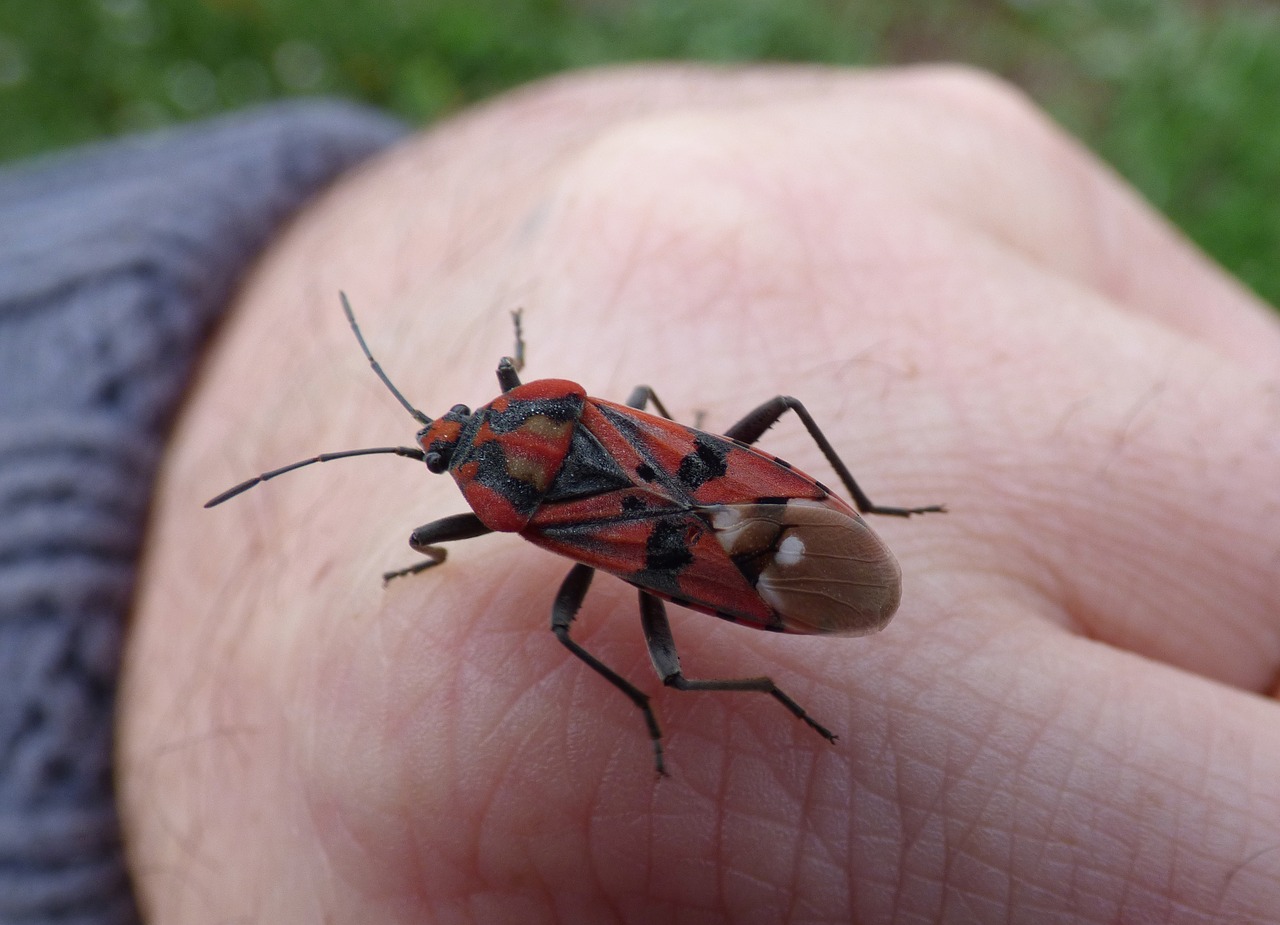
1182, 97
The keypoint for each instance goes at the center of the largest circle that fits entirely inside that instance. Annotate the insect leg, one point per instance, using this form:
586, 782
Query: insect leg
662, 649
508, 378
516, 318
641, 396
563, 611
444, 530
751, 427
509, 367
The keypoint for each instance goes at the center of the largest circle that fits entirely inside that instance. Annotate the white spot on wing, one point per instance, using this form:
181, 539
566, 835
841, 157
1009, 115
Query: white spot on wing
725, 517
790, 551
830, 573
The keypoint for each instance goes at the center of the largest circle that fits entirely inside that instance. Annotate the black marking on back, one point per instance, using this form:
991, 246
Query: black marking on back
706, 462
492, 472
666, 553
752, 564
648, 469
568, 408
587, 470
667, 548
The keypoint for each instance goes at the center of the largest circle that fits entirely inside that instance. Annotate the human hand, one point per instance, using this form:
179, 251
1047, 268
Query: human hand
1068, 718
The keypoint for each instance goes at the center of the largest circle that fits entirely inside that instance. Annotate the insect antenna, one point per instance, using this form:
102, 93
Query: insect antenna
351, 319
244, 486
406, 451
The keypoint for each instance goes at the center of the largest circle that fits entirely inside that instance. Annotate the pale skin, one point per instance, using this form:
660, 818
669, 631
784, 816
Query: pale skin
1071, 718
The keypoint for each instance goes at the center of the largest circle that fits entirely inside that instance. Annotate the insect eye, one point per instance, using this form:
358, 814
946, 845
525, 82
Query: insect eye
461, 411
436, 462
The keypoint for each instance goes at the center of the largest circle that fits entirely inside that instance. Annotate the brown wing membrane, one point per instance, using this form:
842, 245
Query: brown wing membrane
818, 565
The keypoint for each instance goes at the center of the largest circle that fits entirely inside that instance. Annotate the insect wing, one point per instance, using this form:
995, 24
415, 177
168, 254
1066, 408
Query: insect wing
817, 564
698, 467
673, 554
718, 527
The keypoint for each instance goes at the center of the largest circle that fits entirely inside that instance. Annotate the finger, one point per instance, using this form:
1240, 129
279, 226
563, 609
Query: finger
1009, 172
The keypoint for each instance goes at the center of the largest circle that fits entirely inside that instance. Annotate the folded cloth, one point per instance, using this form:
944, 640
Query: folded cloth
115, 261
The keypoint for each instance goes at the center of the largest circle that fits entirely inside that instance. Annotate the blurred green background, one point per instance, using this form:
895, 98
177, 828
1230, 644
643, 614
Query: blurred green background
1182, 97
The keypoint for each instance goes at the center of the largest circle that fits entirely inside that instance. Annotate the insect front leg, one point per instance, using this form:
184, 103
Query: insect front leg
662, 650
444, 530
567, 604
751, 427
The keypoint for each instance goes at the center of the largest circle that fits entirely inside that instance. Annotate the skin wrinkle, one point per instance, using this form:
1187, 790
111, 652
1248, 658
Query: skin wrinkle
910, 839
1251, 776
494, 849
689, 826
890, 816
1056, 811
986, 737
596, 811
1131, 854
821, 852
961, 850
1084, 794
622, 756
1090, 874
1129, 885
818, 868
1081, 619
718, 849
932, 810
1239, 869
769, 835
467, 636
967, 832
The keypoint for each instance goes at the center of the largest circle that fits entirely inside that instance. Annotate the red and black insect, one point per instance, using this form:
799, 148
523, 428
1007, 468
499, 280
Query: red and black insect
708, 522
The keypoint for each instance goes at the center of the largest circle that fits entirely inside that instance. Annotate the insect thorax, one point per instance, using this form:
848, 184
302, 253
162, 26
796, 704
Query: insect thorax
508, 454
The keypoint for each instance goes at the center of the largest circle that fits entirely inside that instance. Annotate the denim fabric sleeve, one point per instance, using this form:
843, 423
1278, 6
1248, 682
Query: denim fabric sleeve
115, 261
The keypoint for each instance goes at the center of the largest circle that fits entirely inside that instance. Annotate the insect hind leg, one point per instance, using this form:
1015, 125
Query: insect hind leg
662, 650
567, 604
752, 427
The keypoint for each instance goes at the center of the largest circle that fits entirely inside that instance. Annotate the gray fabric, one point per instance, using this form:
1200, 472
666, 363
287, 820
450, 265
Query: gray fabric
114, 263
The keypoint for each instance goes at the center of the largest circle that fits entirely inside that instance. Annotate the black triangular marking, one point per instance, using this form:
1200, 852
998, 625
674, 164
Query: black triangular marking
588, 470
